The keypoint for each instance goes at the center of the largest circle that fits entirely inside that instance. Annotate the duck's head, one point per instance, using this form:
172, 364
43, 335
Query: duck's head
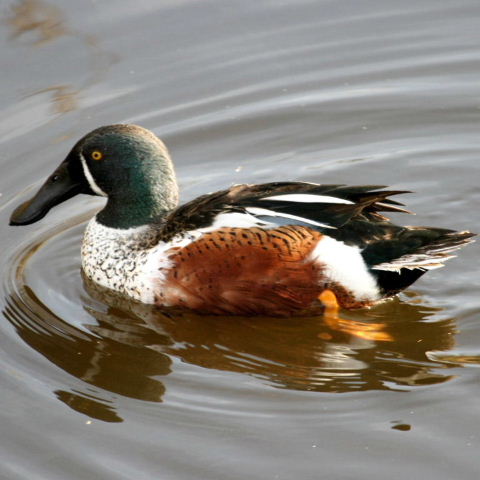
125, 163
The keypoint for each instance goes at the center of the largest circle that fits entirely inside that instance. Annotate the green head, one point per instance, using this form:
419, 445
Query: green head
125, 163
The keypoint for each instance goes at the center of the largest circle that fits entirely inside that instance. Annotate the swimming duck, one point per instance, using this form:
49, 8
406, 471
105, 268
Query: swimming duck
274, 249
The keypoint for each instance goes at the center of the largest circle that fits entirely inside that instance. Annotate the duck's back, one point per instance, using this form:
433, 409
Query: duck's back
274, 248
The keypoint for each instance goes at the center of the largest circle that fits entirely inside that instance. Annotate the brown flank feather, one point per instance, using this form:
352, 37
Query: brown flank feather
245, 271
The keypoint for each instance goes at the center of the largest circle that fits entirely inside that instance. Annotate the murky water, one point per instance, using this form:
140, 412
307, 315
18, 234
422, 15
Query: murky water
95, 387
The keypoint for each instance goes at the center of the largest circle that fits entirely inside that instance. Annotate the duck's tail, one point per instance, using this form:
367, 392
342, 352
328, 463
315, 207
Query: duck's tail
397, 262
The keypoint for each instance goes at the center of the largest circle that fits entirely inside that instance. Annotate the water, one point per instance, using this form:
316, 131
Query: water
333, 92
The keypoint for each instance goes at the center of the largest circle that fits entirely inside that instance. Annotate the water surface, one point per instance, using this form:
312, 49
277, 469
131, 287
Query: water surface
93, 386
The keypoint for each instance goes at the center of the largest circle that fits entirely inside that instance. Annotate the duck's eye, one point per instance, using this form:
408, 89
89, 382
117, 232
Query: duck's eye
97, 155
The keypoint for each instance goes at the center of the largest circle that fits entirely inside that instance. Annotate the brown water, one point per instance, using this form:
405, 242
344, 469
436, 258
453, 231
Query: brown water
93, 387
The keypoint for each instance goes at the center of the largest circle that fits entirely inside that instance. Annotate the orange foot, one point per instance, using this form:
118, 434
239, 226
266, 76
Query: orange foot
367, 331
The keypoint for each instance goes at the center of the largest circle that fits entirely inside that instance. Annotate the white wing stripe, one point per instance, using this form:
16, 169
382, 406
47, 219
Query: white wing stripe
272, 213
236, 220
308, 198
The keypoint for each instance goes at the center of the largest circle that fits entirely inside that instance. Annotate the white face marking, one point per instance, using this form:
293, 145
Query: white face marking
273, 213
308, 198
89, 177
344, 265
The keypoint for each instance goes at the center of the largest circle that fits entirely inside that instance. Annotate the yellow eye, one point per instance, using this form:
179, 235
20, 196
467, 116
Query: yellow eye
97, 155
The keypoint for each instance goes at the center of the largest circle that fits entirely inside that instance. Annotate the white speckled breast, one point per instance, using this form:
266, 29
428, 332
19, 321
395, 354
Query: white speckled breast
116, 258
131, 261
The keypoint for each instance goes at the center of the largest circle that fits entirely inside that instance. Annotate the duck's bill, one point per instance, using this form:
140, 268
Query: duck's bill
60, 186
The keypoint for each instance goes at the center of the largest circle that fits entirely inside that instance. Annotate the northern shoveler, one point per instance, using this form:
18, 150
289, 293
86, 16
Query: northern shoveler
277, 248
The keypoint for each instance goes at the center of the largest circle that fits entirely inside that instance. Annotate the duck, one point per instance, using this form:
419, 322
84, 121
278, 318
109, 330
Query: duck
278, 249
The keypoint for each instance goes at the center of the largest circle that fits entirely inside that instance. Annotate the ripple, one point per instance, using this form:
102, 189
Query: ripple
118, 348
259, 91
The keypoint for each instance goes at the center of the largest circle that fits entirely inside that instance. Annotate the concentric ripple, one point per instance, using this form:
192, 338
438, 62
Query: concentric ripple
114, 347
96, 386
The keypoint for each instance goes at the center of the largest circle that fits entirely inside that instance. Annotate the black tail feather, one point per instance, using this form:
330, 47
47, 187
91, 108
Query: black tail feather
399, 261
392, 283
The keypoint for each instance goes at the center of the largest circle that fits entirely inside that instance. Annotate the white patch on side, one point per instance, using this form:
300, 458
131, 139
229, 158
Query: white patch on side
90, 179
157, 264
344, 265
273, 213
236, 220
308, 198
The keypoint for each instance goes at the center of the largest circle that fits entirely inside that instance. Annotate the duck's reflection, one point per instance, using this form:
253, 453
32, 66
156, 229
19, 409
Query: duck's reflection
131, 346
119, 362
89, 405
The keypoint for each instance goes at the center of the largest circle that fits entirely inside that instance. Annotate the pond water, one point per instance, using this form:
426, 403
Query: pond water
94, 387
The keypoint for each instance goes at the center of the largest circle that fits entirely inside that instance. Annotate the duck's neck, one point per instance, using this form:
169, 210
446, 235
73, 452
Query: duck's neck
140, 203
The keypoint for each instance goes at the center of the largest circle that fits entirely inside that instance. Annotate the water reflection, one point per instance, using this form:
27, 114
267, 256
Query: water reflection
118, 362
39, 23
89, 405
130, 348
64, 97
44, 21
301, 353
